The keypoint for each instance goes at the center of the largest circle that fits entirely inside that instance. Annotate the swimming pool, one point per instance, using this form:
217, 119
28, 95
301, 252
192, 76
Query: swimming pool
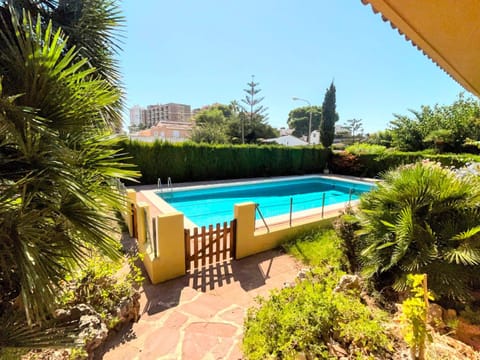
214, 204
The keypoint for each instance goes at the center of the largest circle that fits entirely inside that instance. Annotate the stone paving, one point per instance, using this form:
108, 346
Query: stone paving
200, 315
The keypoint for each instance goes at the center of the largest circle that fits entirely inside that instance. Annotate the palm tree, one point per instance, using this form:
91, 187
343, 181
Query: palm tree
423, 219
89, 26
58, 160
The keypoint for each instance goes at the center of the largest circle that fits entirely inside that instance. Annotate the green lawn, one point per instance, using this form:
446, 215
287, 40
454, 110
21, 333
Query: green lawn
317, 247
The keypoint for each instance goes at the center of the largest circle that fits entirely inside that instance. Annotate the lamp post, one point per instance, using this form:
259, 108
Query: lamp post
310, 120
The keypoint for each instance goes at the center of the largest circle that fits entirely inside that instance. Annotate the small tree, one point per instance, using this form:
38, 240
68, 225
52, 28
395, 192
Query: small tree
298, 119
355, 127
329, 117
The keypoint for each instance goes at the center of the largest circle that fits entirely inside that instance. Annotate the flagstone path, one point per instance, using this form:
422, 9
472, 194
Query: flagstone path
200, 315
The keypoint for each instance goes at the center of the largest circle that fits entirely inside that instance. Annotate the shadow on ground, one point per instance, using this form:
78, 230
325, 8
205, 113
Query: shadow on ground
247, 272
114, 340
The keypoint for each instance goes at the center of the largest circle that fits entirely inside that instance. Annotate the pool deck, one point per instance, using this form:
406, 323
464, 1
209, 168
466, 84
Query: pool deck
146, 193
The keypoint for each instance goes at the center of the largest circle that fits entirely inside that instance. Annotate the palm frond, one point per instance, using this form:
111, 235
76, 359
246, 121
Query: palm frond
468, 234
56, 162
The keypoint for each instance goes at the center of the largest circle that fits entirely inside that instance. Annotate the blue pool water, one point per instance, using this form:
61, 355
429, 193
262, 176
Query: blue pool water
211, 205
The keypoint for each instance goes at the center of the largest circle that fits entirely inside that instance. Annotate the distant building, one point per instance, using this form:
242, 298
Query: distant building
135, 116
287, 140
165, 131
153, 114
315, 137
341, 132
285, 131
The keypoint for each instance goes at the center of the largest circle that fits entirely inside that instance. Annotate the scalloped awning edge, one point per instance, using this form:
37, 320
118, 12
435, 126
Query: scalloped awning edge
390, 12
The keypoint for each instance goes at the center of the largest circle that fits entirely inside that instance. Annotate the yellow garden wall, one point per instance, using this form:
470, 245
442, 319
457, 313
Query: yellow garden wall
168, 261
164, 254
250, 242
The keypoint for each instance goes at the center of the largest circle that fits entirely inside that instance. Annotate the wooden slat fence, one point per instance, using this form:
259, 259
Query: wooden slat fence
206, 246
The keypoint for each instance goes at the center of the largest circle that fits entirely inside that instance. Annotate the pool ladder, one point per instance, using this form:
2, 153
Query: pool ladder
169, 184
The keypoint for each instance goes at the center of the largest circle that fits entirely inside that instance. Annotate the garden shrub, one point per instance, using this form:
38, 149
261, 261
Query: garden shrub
346, 226
370, 164
423, 218
97, 284
364, 148
306, 318
345, 163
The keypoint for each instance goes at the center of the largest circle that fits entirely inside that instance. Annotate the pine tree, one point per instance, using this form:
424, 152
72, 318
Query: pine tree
329, 117
252, 108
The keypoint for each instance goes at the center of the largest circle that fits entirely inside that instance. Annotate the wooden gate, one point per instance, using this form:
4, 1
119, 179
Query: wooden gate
209, 246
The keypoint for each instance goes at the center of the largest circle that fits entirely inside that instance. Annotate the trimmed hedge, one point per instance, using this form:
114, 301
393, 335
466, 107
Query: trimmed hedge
185, 162
372, 165
196, 162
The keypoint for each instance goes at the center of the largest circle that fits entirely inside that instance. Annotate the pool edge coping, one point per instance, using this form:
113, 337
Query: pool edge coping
164, 208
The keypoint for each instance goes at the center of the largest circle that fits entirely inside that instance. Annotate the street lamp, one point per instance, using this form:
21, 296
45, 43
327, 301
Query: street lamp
310, 120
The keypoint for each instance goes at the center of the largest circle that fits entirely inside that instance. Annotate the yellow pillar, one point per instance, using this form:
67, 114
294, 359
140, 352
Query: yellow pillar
170, 262
142, 214
131, 199
245, 215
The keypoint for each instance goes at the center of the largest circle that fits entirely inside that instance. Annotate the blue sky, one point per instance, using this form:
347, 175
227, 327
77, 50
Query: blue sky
201, 52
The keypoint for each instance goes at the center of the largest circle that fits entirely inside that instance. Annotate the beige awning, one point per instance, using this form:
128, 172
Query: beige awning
447, 31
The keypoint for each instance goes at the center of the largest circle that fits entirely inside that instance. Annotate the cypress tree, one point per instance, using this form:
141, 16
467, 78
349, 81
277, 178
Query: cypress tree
329, 117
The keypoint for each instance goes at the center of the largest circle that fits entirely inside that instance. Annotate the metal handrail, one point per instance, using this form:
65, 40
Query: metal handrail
159, 184
323, 204
291, 210
257, 208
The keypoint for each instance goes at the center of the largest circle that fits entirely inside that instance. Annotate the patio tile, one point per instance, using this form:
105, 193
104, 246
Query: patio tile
162, 342
197, 346
235, 315
214, 329
205, 307
187, 319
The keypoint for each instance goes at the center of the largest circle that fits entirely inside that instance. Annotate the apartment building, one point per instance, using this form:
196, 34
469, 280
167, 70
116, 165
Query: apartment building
154, 114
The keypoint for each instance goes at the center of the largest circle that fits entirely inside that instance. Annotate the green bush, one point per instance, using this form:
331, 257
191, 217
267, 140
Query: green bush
184, 162
423, 218
346, 227
304, 319
374, 164
364, 148
98, 285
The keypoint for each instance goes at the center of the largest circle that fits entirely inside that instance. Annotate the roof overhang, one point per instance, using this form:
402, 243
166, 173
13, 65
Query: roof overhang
447, 31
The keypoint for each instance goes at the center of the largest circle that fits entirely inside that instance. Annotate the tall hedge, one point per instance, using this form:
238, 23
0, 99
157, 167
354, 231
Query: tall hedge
185, 162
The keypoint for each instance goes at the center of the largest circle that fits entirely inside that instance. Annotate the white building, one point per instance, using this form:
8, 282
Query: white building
287, 140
